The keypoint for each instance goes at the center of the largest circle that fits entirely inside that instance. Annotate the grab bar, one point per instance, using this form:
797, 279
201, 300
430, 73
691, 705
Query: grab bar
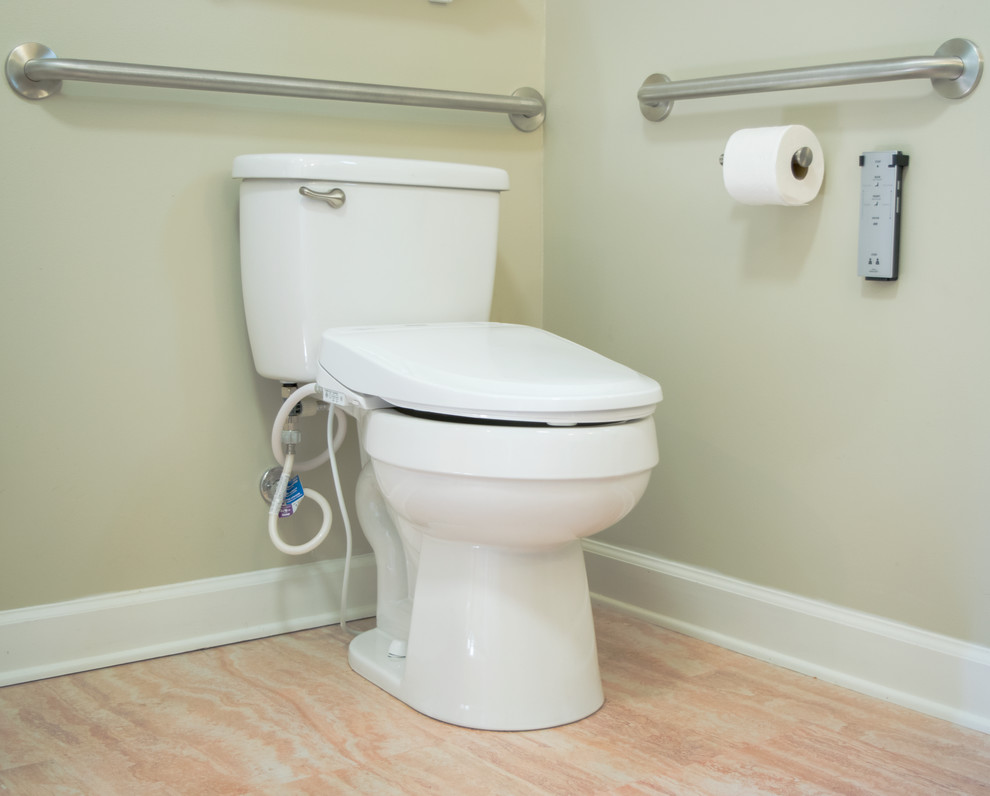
35, 72
954, 70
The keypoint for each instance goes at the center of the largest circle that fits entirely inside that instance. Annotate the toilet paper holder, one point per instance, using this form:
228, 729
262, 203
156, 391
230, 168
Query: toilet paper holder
800, 161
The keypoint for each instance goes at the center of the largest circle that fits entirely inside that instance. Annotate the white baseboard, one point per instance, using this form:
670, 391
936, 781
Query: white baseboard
924, 671
933, 674
93, 632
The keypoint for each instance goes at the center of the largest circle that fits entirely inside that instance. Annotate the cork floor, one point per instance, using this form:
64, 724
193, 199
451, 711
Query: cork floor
285, 715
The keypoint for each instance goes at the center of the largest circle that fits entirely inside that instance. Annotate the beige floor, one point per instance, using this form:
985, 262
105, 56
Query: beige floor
285, 715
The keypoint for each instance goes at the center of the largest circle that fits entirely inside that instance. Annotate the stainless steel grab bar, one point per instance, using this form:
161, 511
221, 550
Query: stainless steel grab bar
954, 70
35, 72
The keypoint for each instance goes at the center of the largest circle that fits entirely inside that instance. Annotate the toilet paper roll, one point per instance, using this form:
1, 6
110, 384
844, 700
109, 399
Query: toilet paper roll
759, 168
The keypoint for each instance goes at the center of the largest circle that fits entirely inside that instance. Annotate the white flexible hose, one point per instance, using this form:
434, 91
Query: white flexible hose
283, 414
312, 544
287, 460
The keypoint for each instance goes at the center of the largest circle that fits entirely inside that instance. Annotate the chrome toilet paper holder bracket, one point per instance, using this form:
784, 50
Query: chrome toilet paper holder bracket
801, 160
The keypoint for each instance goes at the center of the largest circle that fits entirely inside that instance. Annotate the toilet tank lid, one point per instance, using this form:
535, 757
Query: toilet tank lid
382, 171
486, 370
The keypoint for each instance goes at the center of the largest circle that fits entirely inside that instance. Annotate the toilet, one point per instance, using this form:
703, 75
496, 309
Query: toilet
489, 450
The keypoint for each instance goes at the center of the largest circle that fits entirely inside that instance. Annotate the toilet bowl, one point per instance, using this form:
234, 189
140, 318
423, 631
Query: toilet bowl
515, 486
490, 517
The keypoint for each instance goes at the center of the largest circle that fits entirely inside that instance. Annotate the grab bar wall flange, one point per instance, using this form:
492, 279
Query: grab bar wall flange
35, 72
954, 70
18, 58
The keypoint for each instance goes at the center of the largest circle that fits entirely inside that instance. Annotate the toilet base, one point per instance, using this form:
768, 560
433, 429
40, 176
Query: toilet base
500, 639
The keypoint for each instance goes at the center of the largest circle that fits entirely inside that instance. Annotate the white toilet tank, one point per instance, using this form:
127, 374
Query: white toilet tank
383, 241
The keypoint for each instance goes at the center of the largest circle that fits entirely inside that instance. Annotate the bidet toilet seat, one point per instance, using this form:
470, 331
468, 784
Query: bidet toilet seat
484, 371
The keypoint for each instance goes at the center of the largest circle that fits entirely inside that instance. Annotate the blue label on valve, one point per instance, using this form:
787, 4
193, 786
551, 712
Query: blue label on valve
293, 494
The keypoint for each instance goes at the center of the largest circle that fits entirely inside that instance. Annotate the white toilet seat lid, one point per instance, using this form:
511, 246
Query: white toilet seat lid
486, 370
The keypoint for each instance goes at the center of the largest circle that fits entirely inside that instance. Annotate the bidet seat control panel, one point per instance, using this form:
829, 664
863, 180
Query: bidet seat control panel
880, 213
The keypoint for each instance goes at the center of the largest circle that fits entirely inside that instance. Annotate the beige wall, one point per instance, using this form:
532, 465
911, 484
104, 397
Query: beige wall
134, 430
820, 434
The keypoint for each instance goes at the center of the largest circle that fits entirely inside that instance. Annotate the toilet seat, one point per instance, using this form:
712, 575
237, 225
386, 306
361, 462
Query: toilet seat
511, 451
484, 370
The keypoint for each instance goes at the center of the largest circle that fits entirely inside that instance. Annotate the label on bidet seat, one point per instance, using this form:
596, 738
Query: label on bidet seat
293, 494
334, 397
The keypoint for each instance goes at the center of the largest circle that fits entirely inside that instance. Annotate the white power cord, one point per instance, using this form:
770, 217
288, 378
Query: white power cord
332, 446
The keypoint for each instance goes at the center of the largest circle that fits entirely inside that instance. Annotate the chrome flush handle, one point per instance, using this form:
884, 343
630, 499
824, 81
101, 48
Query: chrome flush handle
335, 197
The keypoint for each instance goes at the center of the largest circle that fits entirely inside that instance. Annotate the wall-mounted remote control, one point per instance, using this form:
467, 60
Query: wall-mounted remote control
880, 213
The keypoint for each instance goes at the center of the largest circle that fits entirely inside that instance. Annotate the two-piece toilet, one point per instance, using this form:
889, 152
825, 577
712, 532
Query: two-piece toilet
489, 449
